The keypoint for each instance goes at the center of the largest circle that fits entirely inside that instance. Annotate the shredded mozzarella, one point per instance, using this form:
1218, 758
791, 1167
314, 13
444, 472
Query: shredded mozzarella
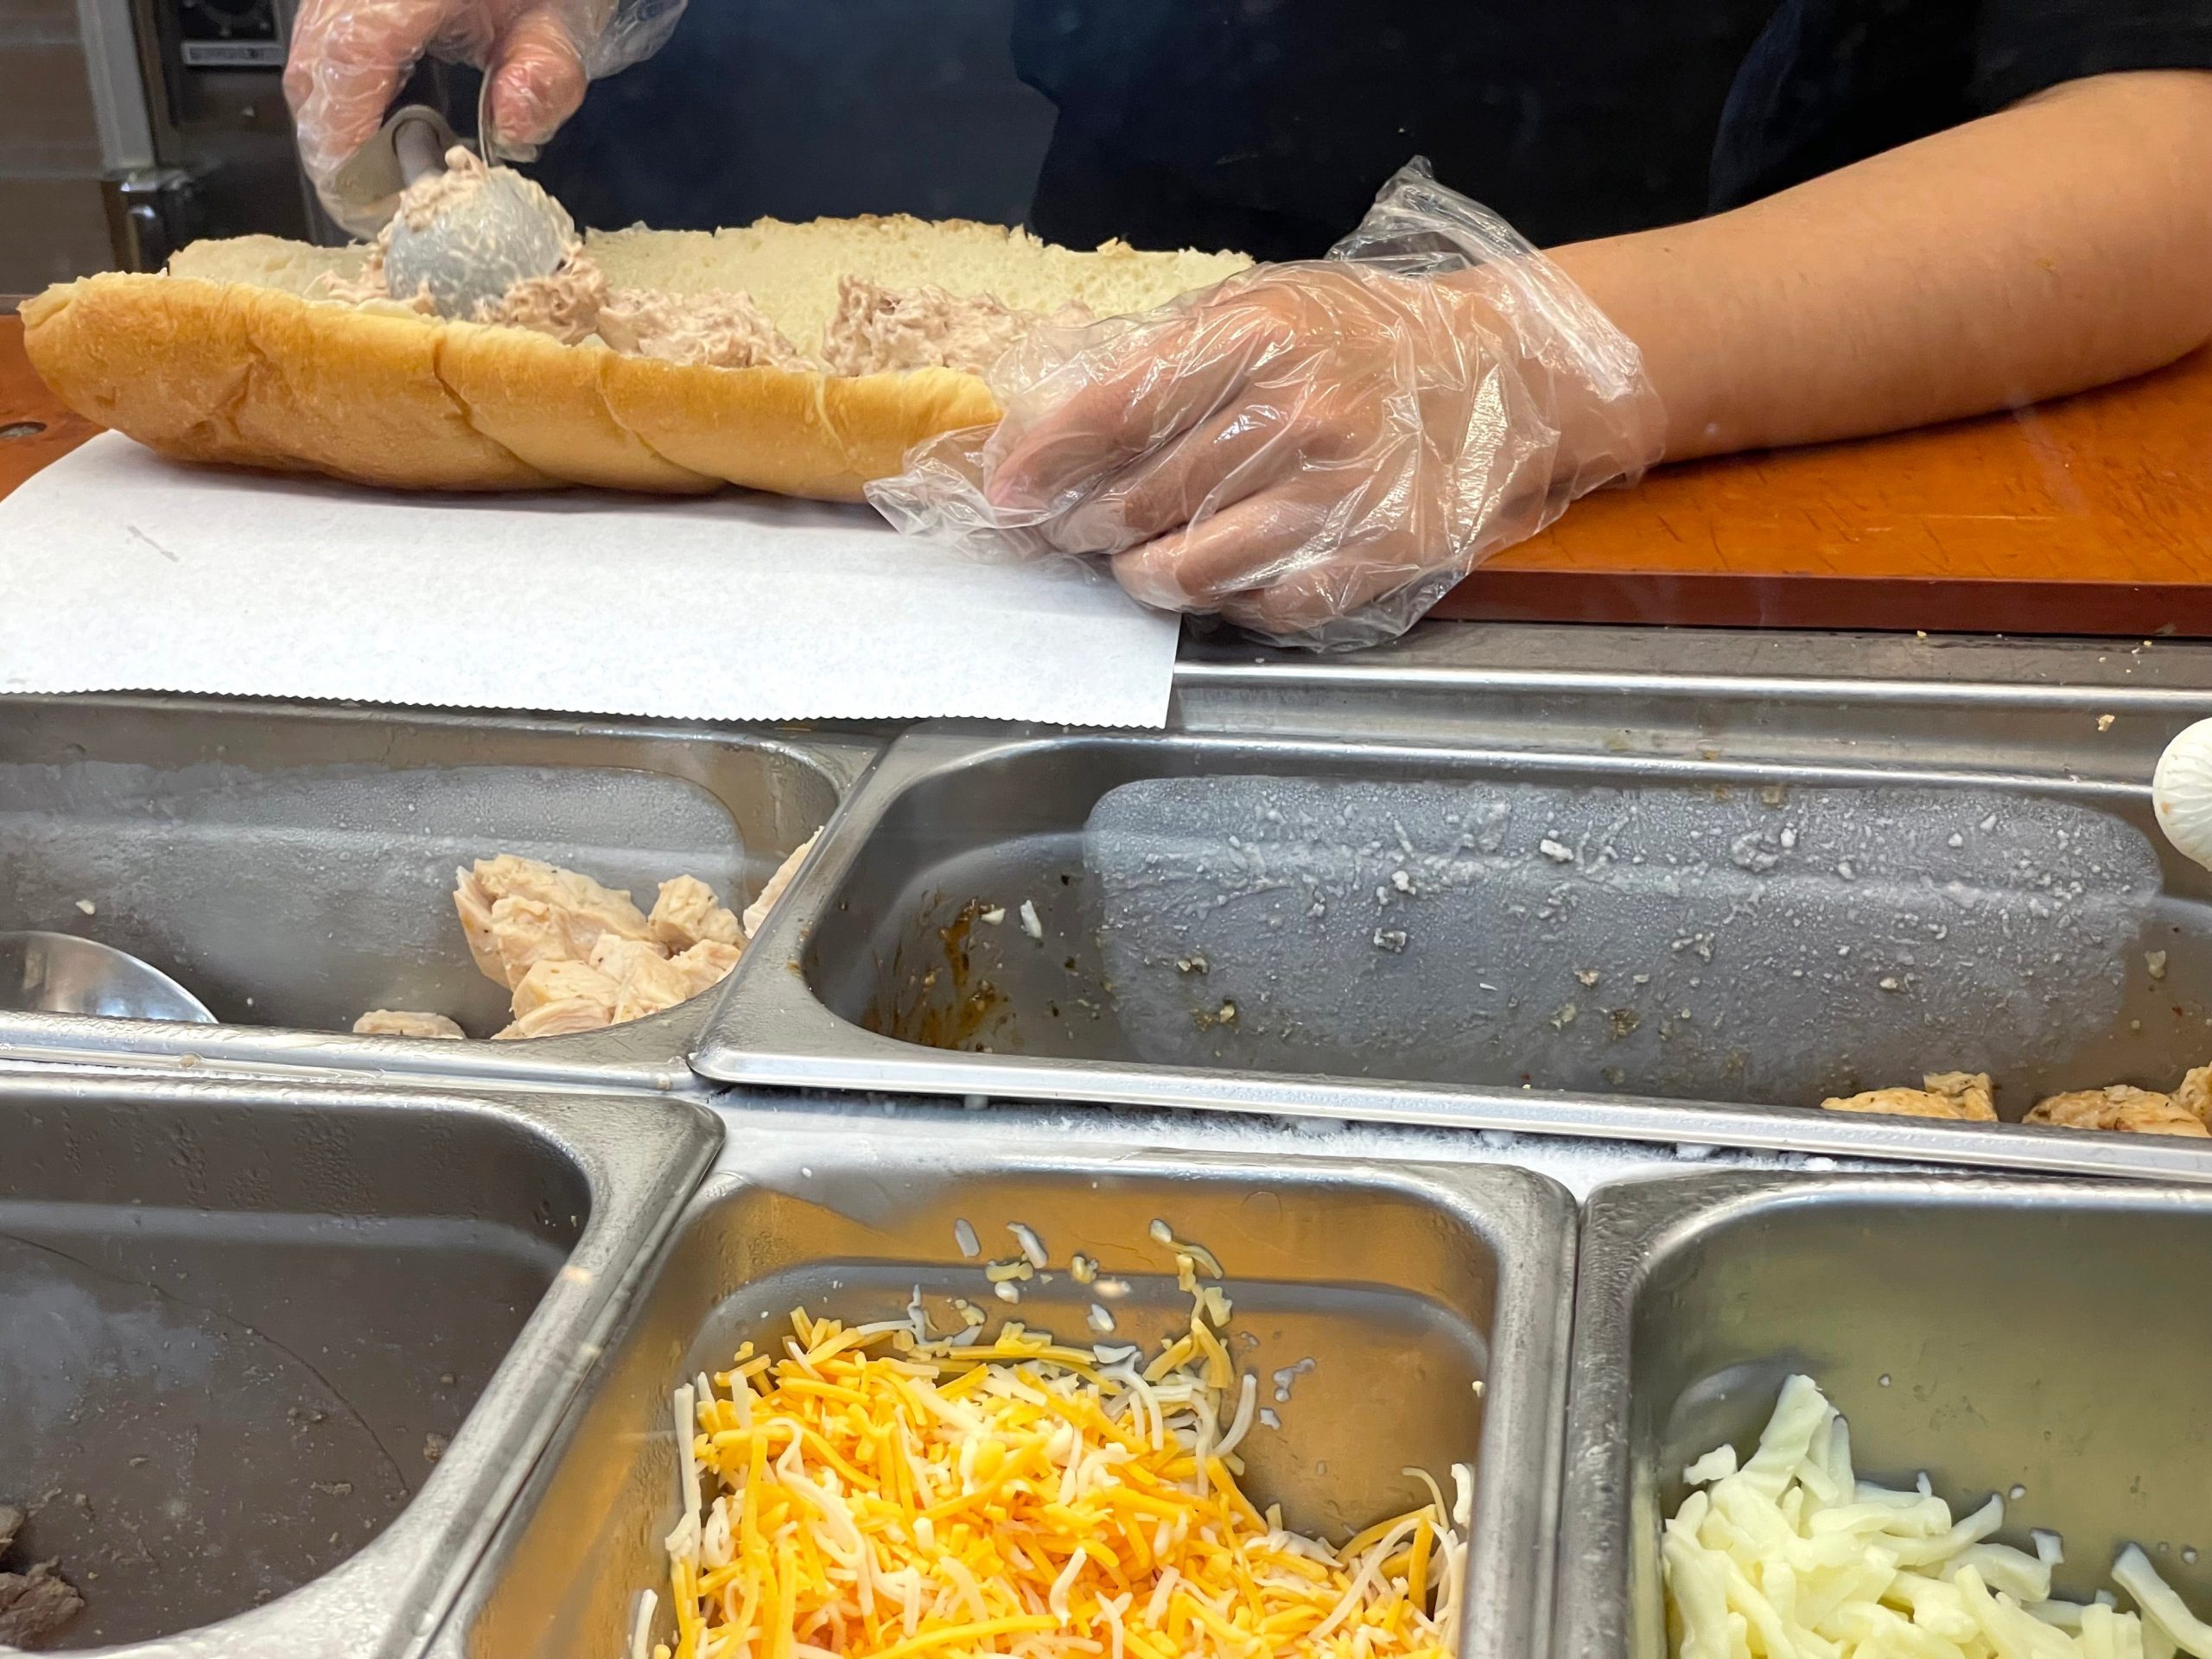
1788, 1556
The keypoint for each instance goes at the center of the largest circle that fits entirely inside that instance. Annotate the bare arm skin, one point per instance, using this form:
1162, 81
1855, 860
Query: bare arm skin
2058, 244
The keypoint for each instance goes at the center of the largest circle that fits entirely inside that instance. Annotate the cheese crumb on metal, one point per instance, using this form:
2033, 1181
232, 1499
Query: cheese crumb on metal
1032, 1246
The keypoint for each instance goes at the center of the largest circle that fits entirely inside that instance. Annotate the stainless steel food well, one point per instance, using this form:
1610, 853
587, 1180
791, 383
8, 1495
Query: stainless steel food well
1404, 1286
1513, 921
292, 864
2045, 1341
274, 1357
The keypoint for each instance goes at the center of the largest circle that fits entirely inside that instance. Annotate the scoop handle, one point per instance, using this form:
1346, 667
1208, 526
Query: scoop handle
418, 143
374, 173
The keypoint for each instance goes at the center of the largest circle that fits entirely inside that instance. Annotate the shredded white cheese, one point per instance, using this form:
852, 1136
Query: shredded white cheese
1790, 1556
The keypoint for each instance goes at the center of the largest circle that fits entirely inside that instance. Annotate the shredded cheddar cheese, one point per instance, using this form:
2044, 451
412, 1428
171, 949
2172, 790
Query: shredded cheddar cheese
873, 1494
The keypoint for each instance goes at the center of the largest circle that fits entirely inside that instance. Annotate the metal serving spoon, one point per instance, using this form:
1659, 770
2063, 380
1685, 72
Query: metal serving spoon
478, 244
60, 973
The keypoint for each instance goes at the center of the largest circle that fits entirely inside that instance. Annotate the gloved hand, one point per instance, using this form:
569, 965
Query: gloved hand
348, 59
1317, 451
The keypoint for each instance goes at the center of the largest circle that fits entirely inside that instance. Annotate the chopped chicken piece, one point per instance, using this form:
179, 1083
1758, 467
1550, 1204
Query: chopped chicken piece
646, 981
579, 956
562, 1019
548, 912
1960, 1095
405, 1022
706, 964
651, 984
527, 932
688, 911
756, 913
618, 958
555, 980
2195, 1095
2120, 1106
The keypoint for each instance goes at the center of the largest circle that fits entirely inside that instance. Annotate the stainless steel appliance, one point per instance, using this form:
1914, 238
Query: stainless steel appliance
129, 127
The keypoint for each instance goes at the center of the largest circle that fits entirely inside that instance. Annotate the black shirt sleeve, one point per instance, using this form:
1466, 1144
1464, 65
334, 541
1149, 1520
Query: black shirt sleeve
2025, 46
1830, 82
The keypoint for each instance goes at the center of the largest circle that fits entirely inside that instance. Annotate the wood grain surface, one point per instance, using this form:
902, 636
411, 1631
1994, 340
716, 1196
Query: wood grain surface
2092, 515
34, 426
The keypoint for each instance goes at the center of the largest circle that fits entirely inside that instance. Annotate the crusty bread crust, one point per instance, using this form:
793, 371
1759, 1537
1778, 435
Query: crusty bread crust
255, 377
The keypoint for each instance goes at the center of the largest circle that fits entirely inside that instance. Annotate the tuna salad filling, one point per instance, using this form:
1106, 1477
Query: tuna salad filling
875, 330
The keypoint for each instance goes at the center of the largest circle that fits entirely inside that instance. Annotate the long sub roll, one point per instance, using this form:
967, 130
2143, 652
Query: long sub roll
803, 358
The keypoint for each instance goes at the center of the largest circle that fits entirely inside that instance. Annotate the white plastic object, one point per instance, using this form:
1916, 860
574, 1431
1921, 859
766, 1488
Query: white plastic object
2181, 792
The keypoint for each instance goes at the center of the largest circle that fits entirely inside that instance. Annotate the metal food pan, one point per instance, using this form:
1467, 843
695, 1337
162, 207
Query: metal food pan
902, 960
292, 864
274, 1359
2040, 1340
1404, 1284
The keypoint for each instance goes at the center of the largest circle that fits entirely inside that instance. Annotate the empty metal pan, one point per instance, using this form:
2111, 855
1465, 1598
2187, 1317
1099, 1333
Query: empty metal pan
273, 1358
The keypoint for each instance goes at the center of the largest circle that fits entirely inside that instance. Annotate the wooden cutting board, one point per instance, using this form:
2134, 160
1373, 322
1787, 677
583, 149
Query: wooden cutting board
2093, 515
2090, 515
34, 426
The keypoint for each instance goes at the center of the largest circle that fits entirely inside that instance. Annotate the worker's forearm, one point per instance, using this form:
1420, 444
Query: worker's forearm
2061, 244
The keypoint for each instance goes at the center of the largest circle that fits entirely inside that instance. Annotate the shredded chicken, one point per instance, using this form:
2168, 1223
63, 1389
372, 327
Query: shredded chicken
876, 330
756, 913
405, 1022
688, 911
563, 979
2195, 1095
562, 1019
517, 911
577, 956
2119, 1106
706, 963
1970, 1097
1962, 1095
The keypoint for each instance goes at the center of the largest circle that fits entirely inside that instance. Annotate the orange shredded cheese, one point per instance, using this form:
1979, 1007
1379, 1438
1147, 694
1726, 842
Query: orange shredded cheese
875, 1495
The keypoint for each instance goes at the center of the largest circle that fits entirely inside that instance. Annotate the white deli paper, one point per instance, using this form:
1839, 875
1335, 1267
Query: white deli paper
125, 572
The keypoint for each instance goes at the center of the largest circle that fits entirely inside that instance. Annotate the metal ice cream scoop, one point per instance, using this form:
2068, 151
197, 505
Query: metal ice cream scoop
475, 243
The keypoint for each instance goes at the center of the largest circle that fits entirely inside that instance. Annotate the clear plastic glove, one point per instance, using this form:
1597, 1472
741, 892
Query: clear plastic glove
349, 59
1317, 452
